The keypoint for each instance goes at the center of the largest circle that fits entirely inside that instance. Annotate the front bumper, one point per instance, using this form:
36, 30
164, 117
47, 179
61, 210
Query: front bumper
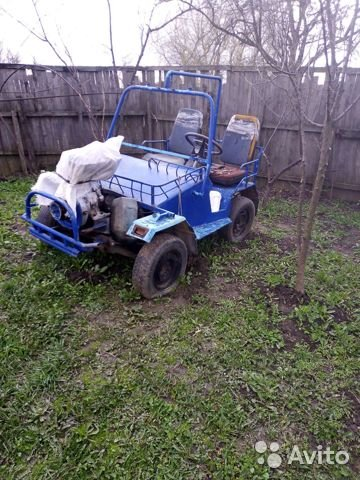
67, 243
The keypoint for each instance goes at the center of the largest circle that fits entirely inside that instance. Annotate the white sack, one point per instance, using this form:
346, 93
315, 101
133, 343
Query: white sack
47, 182
78, 171
96, 161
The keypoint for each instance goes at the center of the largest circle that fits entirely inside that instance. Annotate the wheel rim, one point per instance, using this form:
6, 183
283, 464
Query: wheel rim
167, 270
241, 222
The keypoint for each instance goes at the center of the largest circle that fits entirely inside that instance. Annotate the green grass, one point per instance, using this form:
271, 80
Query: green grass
97, 383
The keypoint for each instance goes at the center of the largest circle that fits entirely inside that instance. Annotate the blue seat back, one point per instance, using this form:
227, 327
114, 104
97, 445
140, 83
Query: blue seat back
241, 136
187, 120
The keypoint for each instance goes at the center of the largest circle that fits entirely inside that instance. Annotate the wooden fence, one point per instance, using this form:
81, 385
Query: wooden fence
45, 110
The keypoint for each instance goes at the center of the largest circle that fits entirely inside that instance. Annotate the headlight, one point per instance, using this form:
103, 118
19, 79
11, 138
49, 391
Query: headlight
56, 211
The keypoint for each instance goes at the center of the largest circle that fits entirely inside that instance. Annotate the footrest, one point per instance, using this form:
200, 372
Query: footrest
205, 229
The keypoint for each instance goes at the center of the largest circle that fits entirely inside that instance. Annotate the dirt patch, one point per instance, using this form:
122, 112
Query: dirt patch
78, 276
289, 296
106, 319
286, 224
349, 242
353, 422
293, 335
208, 346
286, 297
105, 353
229, 290
340, 315
259, 233
20, 226
152, 329
177, 371
287, 244
198, 275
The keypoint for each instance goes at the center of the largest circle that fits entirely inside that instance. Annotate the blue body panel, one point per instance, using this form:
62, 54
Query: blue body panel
152, 224
152, 182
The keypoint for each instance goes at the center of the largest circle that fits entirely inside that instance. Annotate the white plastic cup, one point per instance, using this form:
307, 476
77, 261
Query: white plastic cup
215, 200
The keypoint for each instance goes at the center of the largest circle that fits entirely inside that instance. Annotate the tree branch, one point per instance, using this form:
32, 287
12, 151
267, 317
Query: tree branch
111, 34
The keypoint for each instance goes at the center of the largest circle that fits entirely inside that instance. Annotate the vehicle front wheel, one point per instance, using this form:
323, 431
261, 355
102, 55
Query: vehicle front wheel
242, 216
159, 266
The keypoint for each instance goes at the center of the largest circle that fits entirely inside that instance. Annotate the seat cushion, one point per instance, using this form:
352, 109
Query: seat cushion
226, 174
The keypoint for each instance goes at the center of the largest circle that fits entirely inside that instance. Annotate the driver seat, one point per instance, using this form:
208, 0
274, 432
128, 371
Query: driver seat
238, 145
187, 120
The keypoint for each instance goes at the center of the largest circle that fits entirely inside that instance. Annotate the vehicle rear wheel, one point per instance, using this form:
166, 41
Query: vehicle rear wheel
242, 216
159, 266
45, 217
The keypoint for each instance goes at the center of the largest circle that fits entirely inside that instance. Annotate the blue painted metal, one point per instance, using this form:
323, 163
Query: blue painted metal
193, 93
156, 150
206, 229
69, 244
175, 73
156, 181
152, 224
252, 169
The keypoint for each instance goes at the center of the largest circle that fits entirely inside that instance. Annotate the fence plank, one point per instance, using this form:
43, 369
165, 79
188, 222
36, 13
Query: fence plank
19, 142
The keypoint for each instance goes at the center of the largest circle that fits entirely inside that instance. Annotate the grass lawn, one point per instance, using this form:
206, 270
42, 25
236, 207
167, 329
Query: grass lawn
97, 383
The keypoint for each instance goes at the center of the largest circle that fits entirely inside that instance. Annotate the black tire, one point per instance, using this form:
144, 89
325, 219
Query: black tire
159, 266
45, 217
242, 216
252, 193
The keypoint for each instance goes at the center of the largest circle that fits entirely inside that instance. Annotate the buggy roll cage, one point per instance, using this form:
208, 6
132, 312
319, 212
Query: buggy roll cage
167, 89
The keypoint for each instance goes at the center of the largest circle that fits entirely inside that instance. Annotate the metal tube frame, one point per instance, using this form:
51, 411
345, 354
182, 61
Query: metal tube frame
214, 108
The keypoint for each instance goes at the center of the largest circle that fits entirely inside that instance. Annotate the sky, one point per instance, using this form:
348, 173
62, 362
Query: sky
82, 25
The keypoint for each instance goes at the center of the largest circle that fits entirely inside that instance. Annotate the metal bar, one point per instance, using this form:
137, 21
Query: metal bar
172, 73
62, 203
155, 150
212, 118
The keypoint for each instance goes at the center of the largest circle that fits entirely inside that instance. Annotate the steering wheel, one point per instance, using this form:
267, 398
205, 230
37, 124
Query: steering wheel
200, 144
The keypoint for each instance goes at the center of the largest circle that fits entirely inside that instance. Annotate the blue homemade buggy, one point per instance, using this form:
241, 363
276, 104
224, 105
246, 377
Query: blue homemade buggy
156, 206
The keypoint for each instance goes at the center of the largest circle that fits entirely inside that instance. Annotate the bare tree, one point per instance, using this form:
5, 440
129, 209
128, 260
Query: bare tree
340, 40
7, 56
74, 82
40, 32
63, 54
291, 37
111, 41
149, 29
192, 40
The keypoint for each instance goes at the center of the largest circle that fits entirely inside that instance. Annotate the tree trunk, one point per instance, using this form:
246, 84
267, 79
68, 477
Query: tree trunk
326, 142
302, 160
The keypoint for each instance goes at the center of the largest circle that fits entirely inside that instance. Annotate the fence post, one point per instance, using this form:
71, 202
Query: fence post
27, 141
19, 142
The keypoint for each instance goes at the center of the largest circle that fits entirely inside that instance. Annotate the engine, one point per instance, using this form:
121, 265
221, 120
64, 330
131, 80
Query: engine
77, 181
